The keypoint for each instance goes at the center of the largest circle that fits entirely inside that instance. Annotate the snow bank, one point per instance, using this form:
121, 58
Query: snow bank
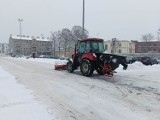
18, 103
52, 62
139, 66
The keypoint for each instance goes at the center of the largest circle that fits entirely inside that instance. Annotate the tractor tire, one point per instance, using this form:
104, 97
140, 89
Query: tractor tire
69, 67
86, 67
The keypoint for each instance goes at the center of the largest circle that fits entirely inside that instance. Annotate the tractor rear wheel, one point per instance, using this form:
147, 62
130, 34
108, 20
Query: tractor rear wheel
86, 67
70, 67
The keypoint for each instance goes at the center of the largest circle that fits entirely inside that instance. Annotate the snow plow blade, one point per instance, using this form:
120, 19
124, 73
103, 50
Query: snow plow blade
60, 67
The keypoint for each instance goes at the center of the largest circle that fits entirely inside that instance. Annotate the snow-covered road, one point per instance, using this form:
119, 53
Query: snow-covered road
133, 94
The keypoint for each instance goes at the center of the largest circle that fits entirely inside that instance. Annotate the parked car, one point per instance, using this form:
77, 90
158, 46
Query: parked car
131, 59
42, 56
148, 60
158, 61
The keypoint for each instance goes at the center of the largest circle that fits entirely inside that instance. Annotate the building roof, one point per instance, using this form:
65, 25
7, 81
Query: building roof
92, 39
120, 41
30, 38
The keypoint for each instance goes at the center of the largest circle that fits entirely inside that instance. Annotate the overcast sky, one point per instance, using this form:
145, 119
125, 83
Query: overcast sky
123, 19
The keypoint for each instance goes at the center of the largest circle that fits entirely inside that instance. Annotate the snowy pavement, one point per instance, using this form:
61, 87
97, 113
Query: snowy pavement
132, 94
18, 103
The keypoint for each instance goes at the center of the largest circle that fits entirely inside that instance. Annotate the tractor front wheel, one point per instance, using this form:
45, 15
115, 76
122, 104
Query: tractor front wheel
70, 67
86, 67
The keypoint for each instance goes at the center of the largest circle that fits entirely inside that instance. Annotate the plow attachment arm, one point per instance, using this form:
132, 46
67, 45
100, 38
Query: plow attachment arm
109, 62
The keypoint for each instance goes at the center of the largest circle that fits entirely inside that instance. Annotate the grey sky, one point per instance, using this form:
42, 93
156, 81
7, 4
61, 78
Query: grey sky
124, 19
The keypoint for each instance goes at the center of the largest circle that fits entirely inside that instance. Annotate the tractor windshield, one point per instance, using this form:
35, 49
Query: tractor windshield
91, 46
97, 46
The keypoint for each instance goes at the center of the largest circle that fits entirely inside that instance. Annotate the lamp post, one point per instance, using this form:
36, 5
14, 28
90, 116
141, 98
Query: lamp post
97, 34
20, 27
114, 45
42, 36
158, 34
54, 42
83, 18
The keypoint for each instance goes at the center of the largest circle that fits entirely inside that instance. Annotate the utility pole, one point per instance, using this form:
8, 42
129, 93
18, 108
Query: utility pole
83, 18
53, 42
20, 27
158, 34
97, 34
42, 35
114, 45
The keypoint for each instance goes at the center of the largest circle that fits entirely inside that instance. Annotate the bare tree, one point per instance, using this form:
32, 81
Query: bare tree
147, 38
66, 35
55, 40
68, 38
57, 36
78, 34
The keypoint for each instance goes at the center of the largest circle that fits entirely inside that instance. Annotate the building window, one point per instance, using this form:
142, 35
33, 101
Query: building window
111, 51
119, 50
106, 46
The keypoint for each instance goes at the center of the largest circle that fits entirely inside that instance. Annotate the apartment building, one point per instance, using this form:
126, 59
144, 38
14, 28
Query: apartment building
147, 47
119, 46
1, 47
26, 45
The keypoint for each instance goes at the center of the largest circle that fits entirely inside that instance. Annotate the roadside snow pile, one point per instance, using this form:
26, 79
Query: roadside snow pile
138, 70
138, 66
44, 60
17, 103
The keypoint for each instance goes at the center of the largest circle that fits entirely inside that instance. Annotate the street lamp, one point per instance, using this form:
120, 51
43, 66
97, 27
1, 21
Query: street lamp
42, 36
54, 42
83, 18
114, 45
158, 34
20, 28
97, 34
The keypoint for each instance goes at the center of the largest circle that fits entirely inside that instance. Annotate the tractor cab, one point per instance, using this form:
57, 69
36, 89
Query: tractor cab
87, 49
90, 46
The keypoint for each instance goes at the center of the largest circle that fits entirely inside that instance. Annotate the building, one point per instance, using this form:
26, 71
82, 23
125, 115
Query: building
147, 47
119, 46
29, 46
0, 48
4, 47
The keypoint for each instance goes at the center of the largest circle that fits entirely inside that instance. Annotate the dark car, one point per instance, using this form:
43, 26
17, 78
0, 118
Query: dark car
131, 59
149, 61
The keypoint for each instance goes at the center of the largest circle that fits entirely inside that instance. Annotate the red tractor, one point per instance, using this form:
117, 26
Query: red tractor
89, 56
